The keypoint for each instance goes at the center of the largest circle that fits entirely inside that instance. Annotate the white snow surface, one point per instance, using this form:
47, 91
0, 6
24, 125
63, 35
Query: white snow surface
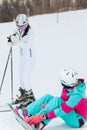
60, 41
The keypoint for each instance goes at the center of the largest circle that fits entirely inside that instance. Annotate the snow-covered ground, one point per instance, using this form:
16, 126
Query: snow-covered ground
57, 45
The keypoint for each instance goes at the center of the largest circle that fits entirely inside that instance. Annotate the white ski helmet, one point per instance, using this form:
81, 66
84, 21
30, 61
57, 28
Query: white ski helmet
21, 20
69, 77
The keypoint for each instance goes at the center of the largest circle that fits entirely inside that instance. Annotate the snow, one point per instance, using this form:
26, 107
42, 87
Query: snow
57, 45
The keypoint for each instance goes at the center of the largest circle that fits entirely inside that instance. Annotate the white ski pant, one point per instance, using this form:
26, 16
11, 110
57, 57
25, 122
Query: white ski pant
25, 67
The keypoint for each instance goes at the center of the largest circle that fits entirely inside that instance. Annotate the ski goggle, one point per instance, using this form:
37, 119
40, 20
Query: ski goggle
21, 28
69, 85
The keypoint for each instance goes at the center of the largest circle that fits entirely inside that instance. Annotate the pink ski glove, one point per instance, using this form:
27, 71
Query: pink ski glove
34, 119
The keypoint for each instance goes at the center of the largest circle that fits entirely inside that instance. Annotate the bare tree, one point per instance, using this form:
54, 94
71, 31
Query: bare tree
5, 12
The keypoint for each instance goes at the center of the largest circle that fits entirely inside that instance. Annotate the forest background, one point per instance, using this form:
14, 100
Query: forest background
9, 9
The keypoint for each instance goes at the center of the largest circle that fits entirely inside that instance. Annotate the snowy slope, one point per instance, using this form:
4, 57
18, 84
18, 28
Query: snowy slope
57, 45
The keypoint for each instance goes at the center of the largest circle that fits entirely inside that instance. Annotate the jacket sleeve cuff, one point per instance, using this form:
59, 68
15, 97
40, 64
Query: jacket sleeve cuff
51, 115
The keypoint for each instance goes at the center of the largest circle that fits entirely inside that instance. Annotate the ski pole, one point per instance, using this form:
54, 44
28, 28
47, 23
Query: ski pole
5, 70
11, 75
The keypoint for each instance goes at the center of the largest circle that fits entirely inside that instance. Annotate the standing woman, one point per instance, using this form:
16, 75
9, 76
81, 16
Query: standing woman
24, 37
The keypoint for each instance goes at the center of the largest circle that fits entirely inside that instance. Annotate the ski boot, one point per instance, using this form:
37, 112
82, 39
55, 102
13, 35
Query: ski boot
21, 97
29, 98
25, 96
30, 94
26, 102
24, 112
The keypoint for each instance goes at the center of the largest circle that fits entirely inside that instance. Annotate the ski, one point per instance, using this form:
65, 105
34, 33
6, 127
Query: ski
4, 108
20, 120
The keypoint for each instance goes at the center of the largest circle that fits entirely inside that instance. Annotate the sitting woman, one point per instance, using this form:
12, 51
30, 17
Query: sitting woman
71, 106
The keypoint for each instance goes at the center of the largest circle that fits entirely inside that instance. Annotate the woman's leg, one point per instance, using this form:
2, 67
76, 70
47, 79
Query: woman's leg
35, 107
51, 105
73, 119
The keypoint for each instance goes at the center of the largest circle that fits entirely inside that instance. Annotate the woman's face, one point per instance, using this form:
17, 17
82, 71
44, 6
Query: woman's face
21, 28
